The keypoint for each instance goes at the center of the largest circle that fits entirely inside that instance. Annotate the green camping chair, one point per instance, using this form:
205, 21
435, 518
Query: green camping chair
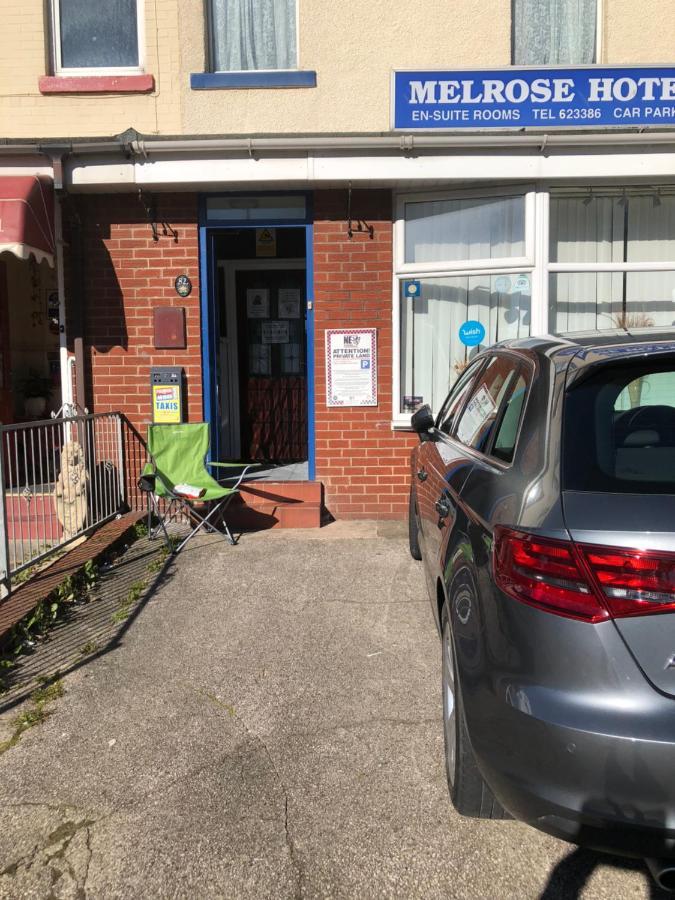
177, 474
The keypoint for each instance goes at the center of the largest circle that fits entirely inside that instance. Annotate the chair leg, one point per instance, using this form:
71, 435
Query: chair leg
203, 523
153, 507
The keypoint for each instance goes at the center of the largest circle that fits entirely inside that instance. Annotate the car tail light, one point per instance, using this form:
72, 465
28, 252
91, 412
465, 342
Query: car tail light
545, 573
583, 581
633, 582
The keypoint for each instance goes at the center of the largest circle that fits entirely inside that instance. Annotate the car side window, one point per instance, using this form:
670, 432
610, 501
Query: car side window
477, 420
456, 397
504, 445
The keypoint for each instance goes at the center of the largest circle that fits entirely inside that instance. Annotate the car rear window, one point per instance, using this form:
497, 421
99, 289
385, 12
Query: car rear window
619, 430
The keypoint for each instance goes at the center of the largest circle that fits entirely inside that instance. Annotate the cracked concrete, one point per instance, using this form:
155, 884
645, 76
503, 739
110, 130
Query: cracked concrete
269, 726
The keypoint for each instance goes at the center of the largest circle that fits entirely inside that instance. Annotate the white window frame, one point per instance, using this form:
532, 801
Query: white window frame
532, 263
599, 41
212, 54
97, 70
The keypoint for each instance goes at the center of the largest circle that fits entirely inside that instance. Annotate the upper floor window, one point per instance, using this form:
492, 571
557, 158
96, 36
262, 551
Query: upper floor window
103, 35
253, 35
554, 32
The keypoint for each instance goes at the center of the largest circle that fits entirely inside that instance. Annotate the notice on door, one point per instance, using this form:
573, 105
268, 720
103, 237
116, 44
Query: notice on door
351, 367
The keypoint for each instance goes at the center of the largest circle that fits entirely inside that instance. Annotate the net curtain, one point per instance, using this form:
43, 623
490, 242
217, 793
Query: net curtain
253, 34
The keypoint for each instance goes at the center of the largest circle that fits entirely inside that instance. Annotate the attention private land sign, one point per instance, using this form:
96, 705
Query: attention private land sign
533, 98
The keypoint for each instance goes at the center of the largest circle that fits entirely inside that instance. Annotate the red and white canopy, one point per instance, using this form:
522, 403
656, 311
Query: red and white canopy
27, 217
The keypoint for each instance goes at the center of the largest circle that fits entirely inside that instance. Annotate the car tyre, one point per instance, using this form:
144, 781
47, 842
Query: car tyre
469, 793
413, 528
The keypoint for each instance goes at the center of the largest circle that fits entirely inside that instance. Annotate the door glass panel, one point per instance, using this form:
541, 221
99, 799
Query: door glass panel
480, 413
507, 433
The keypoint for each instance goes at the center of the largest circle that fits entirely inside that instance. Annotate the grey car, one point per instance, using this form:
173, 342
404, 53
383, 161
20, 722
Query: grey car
543, 506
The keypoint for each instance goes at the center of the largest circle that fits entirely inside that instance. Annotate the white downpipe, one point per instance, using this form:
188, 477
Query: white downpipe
66, 371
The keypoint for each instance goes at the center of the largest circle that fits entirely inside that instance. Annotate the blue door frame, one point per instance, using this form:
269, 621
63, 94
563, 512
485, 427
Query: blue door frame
207, 231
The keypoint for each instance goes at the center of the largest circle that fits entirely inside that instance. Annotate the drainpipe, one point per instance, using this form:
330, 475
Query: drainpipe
66, 376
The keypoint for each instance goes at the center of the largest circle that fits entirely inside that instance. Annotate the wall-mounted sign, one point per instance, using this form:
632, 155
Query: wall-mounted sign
534, 98
412, 289
265, 242
183, 286
258, 303
275, 332
351, 367
471, 333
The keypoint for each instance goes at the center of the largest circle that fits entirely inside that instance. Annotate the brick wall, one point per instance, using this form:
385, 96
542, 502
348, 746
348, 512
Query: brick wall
124, 276
363, 464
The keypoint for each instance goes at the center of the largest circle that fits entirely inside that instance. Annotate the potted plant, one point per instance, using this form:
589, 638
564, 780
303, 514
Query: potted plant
36, 390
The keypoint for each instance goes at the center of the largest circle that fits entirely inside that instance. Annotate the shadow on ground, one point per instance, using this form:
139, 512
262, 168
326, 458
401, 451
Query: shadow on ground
93, 627
570, 876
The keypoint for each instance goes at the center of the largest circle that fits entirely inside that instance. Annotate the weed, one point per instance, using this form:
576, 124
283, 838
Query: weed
140, 529
89, 648
34, 714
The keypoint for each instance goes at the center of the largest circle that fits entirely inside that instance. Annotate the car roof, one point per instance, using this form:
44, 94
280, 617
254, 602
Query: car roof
592, 346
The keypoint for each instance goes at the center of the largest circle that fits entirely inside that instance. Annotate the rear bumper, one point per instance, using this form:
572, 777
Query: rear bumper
608, 792
568, 733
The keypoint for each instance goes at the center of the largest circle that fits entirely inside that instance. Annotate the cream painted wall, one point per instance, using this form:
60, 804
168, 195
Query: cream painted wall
637, 33
352, 45
25, 113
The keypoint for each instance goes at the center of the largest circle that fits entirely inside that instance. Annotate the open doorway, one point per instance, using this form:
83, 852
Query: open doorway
261, 351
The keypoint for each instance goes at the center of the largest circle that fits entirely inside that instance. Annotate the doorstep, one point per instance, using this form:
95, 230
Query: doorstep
263, 504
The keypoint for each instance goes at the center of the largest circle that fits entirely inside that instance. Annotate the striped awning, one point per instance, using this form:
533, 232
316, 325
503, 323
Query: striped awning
27, 217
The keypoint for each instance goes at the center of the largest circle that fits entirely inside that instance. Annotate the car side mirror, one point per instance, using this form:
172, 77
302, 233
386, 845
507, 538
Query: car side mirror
423, 420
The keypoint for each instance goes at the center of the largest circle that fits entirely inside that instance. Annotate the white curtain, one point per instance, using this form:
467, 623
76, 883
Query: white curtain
612, 227
432, 356
554, 32
464, 229
253, 34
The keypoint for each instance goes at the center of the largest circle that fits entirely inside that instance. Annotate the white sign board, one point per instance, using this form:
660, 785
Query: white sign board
351, 367
275, 332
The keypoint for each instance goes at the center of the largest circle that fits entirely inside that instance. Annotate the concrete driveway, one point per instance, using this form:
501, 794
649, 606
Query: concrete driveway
269, 726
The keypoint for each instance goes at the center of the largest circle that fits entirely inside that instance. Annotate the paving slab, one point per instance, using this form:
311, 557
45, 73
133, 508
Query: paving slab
269, 726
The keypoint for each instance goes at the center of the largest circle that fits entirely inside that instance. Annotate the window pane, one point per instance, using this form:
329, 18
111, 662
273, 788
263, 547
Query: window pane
467, 229
586, 228
553, 32
253, 34
635, 227
583, 301
432, 356
505, 440
475, 425
98, 34
630, 444
255, 208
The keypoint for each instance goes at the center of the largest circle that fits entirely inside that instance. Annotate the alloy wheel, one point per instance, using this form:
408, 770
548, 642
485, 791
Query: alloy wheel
449, 706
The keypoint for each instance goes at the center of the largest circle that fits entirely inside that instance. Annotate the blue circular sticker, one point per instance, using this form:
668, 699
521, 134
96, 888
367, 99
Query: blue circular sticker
471, 333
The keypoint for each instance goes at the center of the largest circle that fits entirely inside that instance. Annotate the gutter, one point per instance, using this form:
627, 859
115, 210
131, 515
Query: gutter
140, 146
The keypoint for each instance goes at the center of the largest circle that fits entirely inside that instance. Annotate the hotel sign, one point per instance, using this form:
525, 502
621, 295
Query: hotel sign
533, 98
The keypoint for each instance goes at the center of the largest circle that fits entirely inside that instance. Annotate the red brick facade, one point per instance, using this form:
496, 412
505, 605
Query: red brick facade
124, 275
363, 464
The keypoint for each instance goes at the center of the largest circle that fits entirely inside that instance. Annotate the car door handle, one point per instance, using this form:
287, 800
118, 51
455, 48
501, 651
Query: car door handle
422, 475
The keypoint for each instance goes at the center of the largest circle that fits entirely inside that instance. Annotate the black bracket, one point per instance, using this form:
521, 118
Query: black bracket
362, 226
149, 203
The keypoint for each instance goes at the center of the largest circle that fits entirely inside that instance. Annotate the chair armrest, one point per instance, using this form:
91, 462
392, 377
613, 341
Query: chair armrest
236, 478
232, 465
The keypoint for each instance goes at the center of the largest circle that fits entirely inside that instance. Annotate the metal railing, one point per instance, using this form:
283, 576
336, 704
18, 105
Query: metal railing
62, 478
